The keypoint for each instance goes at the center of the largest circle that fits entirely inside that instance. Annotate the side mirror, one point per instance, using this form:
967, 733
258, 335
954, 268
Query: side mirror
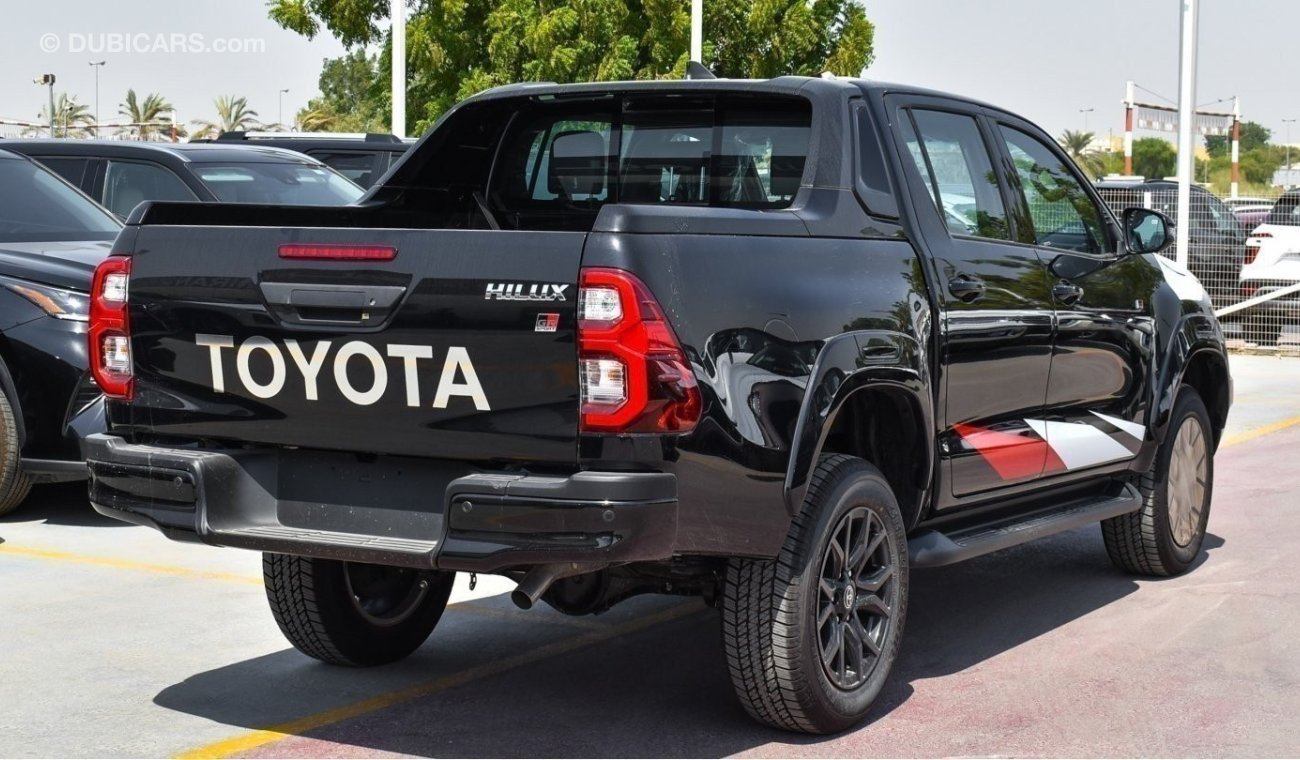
1147, 231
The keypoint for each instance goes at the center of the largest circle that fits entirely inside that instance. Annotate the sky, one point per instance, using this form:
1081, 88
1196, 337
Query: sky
1044, 59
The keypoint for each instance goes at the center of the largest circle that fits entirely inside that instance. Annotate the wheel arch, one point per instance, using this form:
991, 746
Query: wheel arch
881, 413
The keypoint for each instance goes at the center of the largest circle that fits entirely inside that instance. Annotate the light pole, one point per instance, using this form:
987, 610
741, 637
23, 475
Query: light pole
1085, 112
48, 79
96, 65
280, 120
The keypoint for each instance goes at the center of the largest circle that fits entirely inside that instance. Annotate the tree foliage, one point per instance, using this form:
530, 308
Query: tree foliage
1154, 157
144, 113
1079, 147
71, 118
1253, 135
351, 97
458, 47
233, 114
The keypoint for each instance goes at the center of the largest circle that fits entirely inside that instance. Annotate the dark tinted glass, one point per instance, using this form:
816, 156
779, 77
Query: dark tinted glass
127, 184
1063, 214
36, 206
1286, 211
655, 151
954, 164
71, 169
276, 183
358, 167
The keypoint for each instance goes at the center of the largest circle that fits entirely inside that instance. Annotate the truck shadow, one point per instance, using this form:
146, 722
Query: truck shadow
618, 694
60, 504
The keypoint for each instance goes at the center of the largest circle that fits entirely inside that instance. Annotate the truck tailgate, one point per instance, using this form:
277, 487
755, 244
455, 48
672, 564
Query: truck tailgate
438, 343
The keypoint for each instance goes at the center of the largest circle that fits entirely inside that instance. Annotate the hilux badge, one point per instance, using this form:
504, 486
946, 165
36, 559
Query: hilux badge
518, 291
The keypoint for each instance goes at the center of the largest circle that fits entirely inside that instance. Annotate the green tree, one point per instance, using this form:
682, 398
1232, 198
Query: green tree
350, 99
1253, 135
71, 119
458, 47
233, 115
145, 114
1077, 145
1154, 157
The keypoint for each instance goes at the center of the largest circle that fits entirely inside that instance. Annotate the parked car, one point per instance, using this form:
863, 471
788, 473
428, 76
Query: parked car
51, 238
361, 157
1273, 263
121, 174
769, 343
1217, 240
1250, 211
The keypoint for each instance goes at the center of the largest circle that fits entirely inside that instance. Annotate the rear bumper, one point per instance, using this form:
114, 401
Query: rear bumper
384, 510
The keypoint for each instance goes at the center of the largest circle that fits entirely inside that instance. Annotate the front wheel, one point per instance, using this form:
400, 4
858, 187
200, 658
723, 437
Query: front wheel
1165, 535
811, 636
348, 613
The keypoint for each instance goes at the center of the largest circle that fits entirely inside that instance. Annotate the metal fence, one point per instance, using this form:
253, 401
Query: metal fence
1244, 250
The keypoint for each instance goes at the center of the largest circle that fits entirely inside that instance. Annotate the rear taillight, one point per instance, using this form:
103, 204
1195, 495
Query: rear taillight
634, 374
1252, 247
110, 331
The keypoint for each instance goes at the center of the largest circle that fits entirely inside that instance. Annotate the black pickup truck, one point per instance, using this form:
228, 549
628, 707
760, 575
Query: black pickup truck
770, 343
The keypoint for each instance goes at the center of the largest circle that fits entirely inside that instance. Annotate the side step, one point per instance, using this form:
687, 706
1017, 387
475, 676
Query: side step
933, 549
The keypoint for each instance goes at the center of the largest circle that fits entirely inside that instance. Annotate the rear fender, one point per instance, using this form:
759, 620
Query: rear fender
850, 364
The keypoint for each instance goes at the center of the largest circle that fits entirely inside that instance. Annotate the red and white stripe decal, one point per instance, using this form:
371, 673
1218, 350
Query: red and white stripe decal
1053, 446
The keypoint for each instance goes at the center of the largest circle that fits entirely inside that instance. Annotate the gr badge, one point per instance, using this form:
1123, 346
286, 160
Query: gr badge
547, 322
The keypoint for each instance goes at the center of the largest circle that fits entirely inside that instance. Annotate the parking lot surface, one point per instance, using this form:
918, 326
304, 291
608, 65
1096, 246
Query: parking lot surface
117, 642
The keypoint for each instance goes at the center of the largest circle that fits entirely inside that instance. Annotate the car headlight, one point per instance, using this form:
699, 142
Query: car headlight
57, 302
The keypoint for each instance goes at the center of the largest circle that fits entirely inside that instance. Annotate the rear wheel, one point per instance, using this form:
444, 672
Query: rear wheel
1165, 535
811, 636
347, 613
14, 483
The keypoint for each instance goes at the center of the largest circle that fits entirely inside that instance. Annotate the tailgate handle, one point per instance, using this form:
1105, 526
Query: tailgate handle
337, 304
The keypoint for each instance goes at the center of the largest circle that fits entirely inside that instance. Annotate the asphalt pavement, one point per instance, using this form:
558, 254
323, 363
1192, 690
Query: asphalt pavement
116, 642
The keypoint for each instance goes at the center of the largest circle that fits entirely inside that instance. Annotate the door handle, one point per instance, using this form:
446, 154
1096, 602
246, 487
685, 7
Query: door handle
966, 288
319, 303
1067, 293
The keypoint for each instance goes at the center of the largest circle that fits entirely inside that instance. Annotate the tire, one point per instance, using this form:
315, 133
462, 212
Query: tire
776, 650
14, 483
347, 613
1152, 541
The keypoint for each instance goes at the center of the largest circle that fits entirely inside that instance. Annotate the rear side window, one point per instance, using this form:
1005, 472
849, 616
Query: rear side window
957, 171
654, 151
36, 206
127, 184
71, 169
358, 167
1286, 211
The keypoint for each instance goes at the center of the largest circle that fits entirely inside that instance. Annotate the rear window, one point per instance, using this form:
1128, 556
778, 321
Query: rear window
36, 206
1286, 212
659, 151
275, 183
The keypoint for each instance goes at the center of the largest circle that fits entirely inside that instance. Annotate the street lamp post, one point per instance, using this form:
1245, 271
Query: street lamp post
48, 79
280, 120
1288, 123
1085, 112
96, 66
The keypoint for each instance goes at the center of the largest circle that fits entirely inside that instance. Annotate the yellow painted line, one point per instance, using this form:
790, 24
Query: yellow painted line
254, 739
1259, 432
125, 564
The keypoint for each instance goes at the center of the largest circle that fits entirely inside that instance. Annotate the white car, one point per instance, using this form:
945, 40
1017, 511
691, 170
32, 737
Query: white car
1272, 263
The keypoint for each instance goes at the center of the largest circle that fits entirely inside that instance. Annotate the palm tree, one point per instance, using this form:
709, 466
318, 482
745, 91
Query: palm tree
71, 119
144, 115
317, 119
233, 115
1078, 145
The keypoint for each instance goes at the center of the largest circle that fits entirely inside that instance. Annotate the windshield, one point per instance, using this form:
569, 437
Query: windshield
1285, 212
36, 206
276, 183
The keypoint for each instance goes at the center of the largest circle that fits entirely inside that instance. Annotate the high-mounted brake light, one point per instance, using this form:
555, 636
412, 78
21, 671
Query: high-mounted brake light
338, 252
634, 374
110, 330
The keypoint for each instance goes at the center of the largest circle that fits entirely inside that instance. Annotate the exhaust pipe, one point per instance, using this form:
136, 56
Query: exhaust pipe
537, 580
